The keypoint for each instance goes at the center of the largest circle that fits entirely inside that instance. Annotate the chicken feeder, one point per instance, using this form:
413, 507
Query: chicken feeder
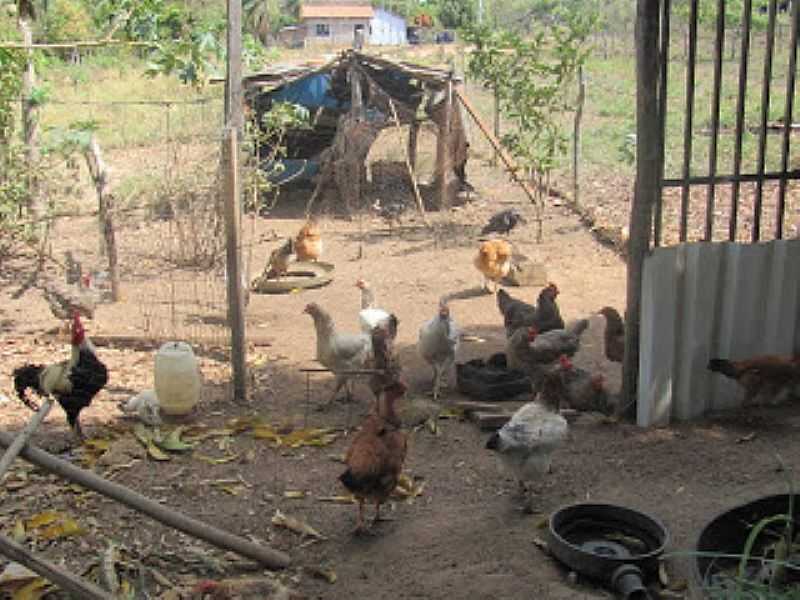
716, 560
491, 380
301, 276
614, 545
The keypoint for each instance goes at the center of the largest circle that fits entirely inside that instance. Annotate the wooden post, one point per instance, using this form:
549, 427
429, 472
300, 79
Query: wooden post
67, 581
496, 109
98, 170
30, 120
234, 263
576, 139
234, 120
411, 174
647, 189
264, 555
413, 136
444, 160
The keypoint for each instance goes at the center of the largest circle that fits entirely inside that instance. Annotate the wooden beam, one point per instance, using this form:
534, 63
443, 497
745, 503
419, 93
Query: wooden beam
511, 166
647, 188
264, 555
67, 581
22, 438
234, 262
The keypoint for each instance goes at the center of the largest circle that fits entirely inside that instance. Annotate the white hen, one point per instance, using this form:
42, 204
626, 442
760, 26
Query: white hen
370, 316
527, 441
339, 352
438, 344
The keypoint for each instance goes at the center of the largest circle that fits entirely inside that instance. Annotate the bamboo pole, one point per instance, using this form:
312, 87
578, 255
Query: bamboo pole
269, 557
19, 442
67, 581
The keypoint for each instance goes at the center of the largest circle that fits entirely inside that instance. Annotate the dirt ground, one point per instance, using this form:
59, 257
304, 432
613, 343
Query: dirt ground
464, 535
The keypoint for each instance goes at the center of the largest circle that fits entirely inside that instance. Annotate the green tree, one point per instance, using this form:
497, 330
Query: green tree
456, 14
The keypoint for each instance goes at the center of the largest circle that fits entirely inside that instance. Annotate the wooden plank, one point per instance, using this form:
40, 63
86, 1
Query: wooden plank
719, 45
79, 588
688, 122
647, 188
511, 166
234, 262
762, 136
662, 115
791, 80
740, 178
23, 436
273, 559
741, 98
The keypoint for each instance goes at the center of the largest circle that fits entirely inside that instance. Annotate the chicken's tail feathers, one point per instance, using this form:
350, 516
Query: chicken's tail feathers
578, 327
503, 298
723, 366
27, 377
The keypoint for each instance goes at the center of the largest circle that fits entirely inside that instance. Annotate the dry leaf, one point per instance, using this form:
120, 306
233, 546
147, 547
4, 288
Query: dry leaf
217, 461
294, 494
326, 574
66, 527
155, 452
173, 442
33, 590
349, 499
281, 520
18, 533
16, 573
42, 519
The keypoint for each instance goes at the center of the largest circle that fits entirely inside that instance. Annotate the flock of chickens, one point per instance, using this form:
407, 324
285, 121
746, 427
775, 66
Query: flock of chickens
538, 343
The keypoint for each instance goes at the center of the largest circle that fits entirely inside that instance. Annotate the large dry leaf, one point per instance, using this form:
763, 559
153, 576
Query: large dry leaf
156, 453
33, 590
281, 520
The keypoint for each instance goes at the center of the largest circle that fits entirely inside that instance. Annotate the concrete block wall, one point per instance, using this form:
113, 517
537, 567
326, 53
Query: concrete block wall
705, 300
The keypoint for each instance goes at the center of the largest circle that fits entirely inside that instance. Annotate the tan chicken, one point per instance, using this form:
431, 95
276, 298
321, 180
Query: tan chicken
308, 243
493, 261
376, 454
767, 378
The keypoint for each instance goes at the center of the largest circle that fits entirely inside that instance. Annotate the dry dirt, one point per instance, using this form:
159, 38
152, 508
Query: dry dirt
464, 536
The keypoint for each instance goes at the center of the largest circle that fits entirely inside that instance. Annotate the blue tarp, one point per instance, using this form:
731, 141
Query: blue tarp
311, 92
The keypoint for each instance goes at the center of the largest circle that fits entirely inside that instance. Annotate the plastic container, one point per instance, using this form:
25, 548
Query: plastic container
177, 378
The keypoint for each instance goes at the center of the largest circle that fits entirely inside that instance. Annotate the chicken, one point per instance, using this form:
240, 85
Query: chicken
503, 222
376, 455
765, 378
280, 259
308, 242
516, 313
584, 391
439, 340
527, 350
527, 441
548, 316
64, 299
370, 315
493, 261
384, 358
391, 211
339, 352
73, 382
614, 336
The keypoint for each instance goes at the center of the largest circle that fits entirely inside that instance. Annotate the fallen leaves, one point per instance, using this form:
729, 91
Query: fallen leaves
281, 520
20, 583
283, 437
47, 525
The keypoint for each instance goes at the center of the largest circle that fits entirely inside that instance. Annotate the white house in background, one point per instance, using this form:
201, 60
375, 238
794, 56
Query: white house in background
338, 24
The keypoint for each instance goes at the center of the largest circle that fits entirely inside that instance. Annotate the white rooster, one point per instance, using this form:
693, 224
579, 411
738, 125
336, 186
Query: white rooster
439, 340
527, 441
370, 316
339, 352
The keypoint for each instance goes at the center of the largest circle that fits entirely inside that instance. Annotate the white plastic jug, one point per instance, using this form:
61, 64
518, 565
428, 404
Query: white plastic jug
177, 378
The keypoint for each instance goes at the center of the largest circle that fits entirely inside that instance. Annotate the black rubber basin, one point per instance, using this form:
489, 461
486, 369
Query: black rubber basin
727, 534
596, 539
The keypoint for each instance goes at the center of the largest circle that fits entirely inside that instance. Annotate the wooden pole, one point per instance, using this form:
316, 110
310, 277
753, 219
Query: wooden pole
576, 139
411, 174
496, 111
413, 136
511, 166
234, 263
19, 442
30, 122
648, 173
269, 557
234, 121
58, 575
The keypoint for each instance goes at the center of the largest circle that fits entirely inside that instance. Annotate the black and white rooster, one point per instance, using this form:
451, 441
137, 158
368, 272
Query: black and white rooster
73, 382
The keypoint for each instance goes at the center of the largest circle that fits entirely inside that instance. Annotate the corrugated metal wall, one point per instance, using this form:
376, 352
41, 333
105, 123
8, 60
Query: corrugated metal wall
707, 300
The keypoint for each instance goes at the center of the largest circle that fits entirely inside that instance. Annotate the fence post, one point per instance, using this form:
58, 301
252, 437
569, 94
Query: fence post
576, 138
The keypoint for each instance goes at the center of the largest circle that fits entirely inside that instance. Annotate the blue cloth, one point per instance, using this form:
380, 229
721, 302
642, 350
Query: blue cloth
311, 92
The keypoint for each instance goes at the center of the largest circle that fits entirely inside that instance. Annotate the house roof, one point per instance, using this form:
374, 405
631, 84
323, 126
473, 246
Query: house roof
336, 11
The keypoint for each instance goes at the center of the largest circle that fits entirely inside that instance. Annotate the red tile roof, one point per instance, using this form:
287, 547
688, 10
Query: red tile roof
335, 11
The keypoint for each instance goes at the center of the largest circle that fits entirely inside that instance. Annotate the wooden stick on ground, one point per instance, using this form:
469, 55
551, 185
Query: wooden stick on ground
269, 557
24, 435
411, 174
58, 575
